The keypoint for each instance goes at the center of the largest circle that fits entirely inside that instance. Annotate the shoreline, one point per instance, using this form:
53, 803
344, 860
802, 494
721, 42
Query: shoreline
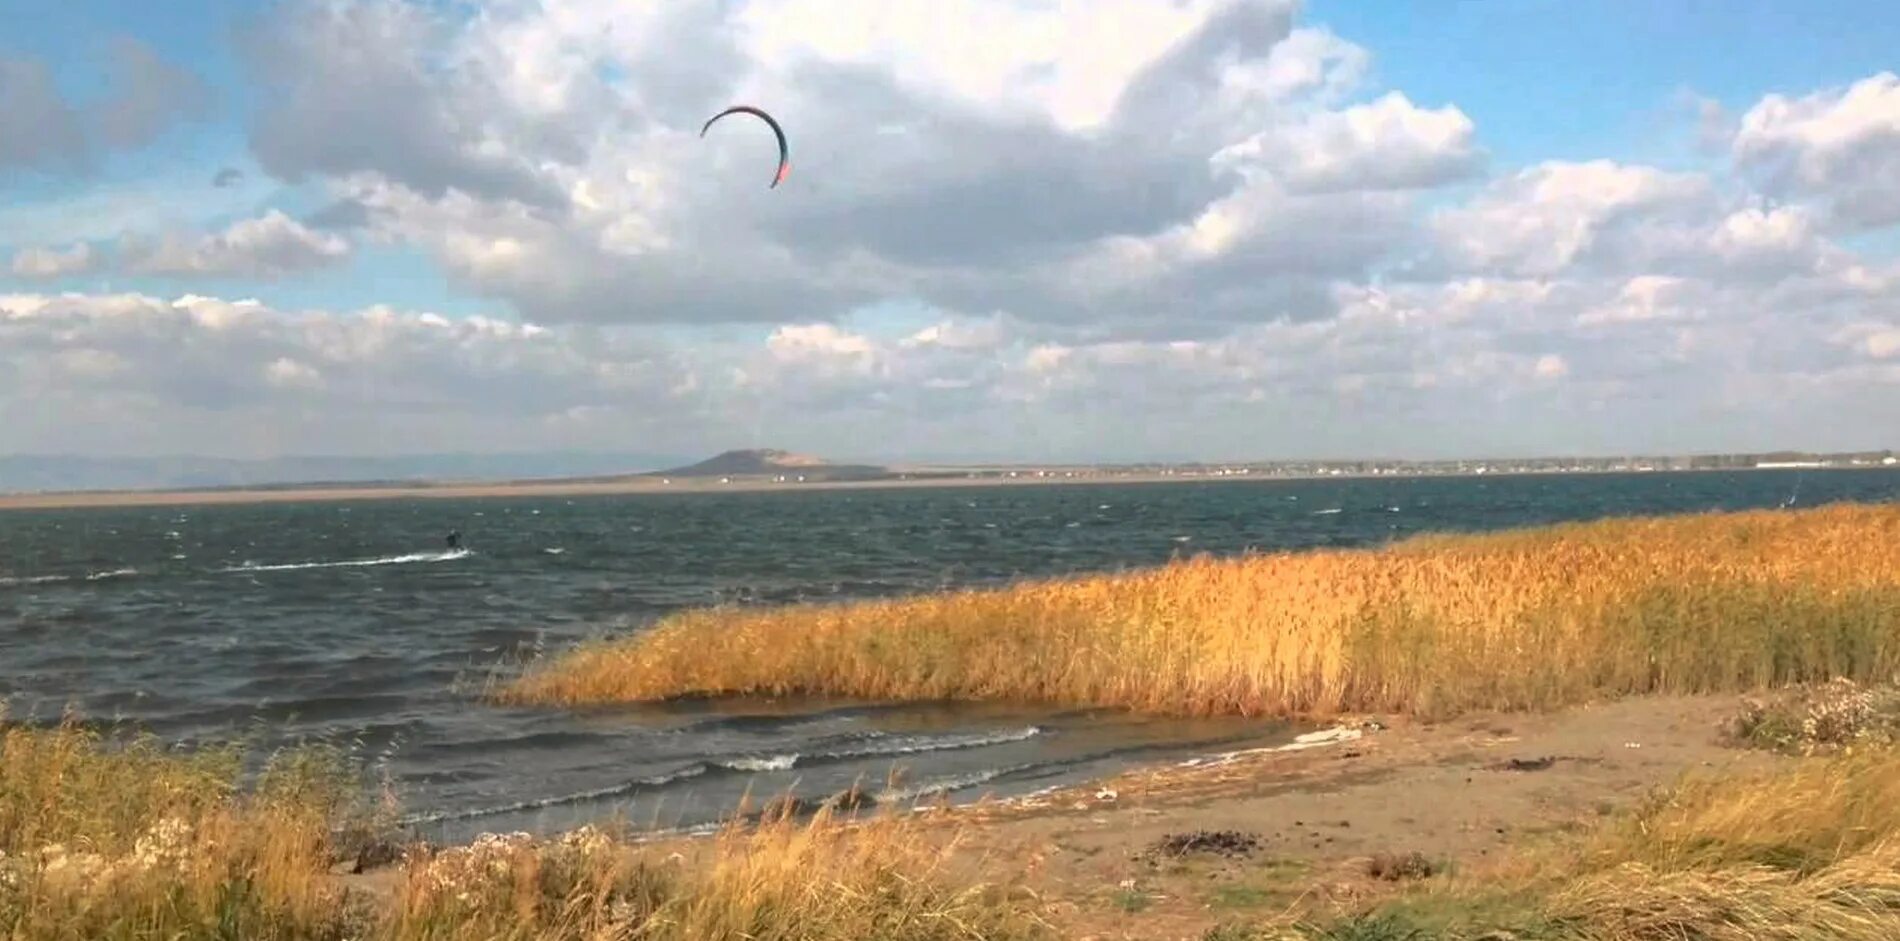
1317, 812
93, 499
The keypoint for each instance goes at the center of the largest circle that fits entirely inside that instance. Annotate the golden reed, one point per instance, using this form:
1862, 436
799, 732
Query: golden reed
1432, 625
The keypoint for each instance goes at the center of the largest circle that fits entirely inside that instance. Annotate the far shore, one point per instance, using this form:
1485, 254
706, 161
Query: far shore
320, 493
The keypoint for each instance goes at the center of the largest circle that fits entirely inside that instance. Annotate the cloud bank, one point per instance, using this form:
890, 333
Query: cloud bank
1204, 232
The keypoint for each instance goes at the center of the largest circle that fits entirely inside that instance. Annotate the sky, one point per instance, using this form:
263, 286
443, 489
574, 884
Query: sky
1013, 230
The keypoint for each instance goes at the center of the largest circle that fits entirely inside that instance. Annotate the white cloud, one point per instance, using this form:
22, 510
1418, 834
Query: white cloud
1193, 226
287, 372
1060, 60
1403, 361
271, 245
1644, 297
1872, 339
974, 168
1386, 144
38, 263
208, 373
1839, 146
1549, 217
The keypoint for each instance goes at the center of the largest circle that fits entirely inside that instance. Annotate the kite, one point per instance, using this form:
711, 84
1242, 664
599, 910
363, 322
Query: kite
784, 152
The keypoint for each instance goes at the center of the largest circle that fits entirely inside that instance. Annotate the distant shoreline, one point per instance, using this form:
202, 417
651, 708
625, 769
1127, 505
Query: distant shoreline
559, 488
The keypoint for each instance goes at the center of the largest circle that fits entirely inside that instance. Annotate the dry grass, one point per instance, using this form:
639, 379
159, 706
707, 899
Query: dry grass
126, 839
120, 838
781, 880
1433, 625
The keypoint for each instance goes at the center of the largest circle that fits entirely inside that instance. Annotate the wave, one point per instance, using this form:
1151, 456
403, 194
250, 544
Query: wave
877, 748
1316, 739
892, 795
33, 579
561, 800
766, 763
411, 558
946, 785
55, 579
1329, 512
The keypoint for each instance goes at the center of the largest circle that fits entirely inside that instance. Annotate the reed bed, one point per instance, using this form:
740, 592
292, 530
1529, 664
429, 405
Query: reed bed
1433, 625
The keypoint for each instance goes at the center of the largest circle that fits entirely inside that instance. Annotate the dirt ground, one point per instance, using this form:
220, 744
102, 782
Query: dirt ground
1456, 793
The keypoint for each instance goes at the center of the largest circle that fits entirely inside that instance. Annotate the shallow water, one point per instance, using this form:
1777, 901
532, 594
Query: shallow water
352, 620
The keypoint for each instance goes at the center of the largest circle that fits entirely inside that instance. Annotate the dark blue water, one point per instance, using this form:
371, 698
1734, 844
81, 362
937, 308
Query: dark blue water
350, 620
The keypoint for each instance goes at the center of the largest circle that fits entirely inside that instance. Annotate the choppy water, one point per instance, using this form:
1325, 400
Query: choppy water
352, 620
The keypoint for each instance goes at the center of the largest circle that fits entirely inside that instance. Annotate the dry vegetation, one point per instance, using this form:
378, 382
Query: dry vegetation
1432, 625
1825, 717
137, 841
1808, 852
124, 839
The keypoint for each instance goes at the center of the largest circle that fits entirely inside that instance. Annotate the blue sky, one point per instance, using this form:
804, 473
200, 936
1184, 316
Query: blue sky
1550, 79
911, 290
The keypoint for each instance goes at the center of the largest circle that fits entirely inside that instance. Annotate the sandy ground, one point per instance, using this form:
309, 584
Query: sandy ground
444, 491
1449, 792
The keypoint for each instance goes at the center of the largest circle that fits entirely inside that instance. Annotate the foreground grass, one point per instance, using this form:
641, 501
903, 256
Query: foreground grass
1433, 625
124, 839
138, 841
1810, 852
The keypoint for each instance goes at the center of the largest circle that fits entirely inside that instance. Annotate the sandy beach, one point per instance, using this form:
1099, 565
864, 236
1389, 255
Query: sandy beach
555, 488
1461, 794
451, 490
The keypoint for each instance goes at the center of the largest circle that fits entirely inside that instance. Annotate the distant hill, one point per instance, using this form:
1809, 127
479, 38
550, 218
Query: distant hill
772, 463
31, 473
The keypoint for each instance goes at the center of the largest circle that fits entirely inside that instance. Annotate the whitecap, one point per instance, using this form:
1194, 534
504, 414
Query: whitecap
411, 558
